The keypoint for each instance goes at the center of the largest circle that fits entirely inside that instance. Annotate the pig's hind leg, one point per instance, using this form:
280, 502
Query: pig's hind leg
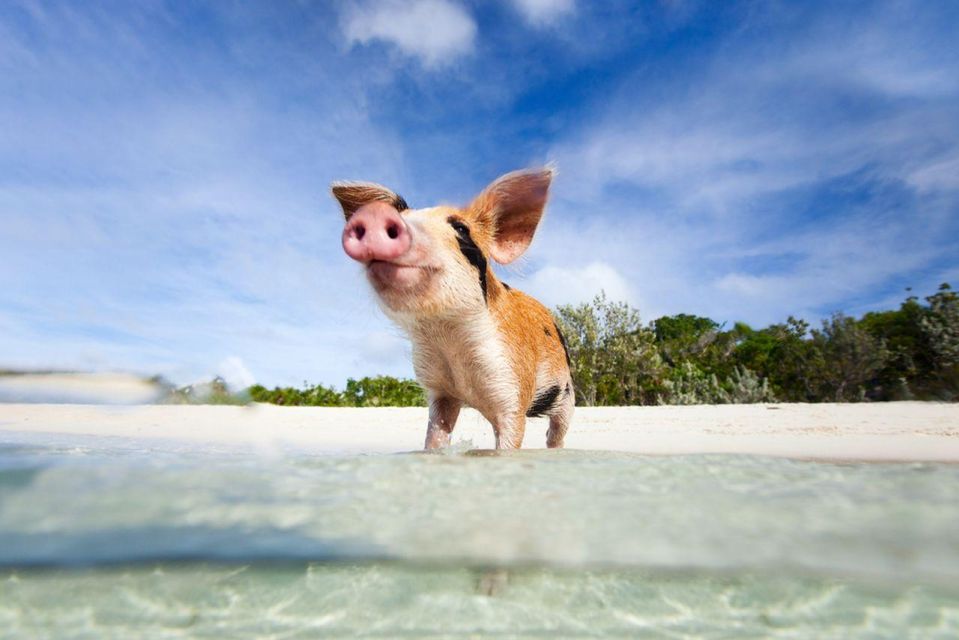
443, 414
559, 419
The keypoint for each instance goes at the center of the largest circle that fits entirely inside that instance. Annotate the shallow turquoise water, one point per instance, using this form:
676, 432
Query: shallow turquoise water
113, 538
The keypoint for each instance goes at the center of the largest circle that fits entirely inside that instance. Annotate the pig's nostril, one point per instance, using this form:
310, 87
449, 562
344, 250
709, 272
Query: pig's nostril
359, 231
393, 231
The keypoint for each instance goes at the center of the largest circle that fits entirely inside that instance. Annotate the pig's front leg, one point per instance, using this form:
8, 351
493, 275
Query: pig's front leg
509, 431
443, 414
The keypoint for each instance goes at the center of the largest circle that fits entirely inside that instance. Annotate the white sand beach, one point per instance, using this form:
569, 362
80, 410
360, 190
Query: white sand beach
917, 431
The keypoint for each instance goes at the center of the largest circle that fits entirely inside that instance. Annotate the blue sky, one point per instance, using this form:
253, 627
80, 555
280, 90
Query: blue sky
164, 166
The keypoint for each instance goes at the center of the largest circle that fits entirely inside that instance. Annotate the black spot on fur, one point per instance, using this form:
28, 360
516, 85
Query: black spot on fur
399, 203
547, 332
562, 339
506, 286
470, 250
569, 390
543, 402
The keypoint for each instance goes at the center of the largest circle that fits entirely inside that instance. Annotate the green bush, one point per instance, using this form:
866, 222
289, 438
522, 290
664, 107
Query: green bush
383, 391
377, 391
909, 353
613, 356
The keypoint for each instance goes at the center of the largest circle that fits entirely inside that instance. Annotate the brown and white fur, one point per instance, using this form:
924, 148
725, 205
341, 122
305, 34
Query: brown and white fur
476, 341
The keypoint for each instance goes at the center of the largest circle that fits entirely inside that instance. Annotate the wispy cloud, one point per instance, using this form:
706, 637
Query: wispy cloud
164, 168
434, 31
556, 285
837, 155
177, 225
544, 12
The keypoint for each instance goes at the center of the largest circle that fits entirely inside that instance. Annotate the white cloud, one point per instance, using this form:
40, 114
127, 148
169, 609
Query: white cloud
181, 222
379, 349
941, 175
435, 31
235, 373
555, 285
723, 197
544, 12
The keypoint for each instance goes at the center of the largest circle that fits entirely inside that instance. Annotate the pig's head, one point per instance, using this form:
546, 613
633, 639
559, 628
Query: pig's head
433, 262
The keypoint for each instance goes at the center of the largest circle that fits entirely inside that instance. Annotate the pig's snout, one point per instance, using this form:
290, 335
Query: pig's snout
376, 232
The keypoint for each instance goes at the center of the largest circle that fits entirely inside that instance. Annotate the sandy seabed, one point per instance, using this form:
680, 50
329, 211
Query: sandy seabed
920, 431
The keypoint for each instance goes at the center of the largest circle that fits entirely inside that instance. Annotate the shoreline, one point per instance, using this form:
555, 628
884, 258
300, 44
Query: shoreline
876, 432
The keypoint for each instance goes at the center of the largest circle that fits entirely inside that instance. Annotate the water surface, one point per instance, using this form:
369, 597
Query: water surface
107, 537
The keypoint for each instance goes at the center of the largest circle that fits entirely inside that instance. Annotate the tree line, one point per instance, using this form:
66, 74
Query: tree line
376, 391
910, 353
904, 354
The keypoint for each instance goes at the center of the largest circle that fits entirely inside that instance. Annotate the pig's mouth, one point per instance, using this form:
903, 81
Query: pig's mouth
398, 276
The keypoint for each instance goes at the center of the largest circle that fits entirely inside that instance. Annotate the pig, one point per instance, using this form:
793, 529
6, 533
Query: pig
476, 341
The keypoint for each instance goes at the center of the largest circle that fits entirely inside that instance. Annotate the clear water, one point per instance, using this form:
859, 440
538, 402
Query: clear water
109, 538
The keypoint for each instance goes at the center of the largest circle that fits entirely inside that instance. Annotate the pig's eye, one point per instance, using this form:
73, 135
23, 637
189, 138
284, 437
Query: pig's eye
459, 227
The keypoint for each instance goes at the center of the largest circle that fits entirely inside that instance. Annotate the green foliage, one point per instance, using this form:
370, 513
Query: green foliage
378, 391
383, 391
908, 355
689, 384
614, 357
683, 336
782, 354
912, 352
921, 341
744, 386
213, 392
847, 359
315, 396
940, 329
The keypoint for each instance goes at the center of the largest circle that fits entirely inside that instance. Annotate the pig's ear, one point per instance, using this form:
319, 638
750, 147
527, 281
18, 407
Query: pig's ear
353, 195
513, 206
